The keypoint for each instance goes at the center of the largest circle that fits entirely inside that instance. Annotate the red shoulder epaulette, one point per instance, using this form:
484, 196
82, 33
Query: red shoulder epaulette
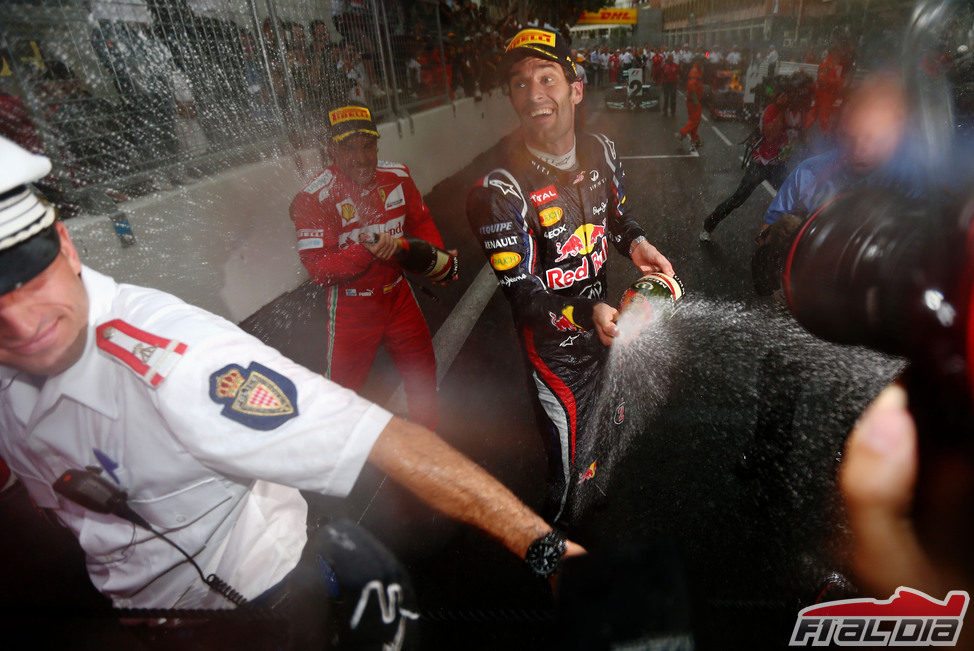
151, 357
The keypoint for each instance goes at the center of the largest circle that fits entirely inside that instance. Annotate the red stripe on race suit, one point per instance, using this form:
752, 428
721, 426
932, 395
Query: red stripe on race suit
558, 387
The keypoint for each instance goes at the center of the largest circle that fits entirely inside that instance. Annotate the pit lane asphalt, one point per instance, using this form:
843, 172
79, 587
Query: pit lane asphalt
752, 521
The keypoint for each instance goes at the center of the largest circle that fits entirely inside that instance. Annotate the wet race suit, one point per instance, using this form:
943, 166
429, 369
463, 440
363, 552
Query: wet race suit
546, 234
369, 302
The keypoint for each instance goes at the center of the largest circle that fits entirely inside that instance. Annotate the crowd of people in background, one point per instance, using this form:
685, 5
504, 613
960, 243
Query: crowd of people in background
176, 85
605, 66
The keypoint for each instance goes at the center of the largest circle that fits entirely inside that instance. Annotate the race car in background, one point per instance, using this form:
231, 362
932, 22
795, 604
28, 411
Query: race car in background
724, 96
632, 94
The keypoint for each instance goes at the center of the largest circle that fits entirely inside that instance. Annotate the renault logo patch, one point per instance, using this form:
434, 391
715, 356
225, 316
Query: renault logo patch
256, 396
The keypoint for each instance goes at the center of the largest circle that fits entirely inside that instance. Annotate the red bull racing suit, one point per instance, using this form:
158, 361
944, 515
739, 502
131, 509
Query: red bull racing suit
545, 232
369, 302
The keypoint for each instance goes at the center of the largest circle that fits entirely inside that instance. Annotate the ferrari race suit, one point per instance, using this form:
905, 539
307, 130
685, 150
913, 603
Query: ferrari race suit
545, 233
694, 106
828, 87
369, 302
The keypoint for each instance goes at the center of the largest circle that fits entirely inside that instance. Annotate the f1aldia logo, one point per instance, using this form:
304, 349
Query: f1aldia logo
908, 618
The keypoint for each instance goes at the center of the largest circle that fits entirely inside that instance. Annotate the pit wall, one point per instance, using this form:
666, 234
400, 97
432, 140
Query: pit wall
226, 243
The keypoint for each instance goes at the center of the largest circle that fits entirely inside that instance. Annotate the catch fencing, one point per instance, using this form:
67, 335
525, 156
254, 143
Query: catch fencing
131, 96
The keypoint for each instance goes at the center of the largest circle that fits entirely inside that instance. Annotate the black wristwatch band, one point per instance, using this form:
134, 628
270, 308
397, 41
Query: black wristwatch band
545, 554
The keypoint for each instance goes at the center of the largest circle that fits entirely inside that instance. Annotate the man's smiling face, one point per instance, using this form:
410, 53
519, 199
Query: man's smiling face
545, 102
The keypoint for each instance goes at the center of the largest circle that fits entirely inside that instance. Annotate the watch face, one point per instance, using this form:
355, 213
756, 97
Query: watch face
545, 553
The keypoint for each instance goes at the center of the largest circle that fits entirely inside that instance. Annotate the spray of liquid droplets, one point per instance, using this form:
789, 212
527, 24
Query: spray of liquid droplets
719, 371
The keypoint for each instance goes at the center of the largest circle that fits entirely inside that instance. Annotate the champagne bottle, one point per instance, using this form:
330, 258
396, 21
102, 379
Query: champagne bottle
420, 257
654, 290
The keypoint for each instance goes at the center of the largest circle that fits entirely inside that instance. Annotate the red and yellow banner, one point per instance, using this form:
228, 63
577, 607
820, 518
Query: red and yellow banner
608, 17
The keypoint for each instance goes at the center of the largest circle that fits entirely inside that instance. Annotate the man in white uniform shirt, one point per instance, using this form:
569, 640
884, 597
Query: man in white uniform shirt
209, 432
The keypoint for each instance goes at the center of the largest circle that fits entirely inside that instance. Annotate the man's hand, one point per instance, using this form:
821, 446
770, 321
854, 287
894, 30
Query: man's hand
877, 478
446, 480
383, 247
645, 256
605, 316
447, 281
762, 235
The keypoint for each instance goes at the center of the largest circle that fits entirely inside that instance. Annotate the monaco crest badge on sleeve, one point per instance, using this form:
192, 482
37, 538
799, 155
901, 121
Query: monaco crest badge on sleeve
256, 396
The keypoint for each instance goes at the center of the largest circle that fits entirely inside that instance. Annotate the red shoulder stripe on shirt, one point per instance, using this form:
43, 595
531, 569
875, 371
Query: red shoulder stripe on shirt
151, 357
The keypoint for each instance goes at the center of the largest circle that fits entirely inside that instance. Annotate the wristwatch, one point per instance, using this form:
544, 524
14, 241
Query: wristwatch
545, 553
636, 242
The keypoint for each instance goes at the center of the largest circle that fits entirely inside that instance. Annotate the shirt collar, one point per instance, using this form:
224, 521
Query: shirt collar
85, 381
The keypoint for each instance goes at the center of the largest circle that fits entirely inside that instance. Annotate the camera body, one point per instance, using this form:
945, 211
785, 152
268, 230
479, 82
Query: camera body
877, 269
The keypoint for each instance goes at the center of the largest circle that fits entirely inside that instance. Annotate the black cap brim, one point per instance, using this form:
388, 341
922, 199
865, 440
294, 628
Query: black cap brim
23, 262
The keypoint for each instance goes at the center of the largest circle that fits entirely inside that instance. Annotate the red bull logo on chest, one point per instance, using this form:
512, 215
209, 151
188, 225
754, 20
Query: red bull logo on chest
582, 242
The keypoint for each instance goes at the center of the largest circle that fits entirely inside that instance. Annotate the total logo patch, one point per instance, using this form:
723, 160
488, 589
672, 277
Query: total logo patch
504, 260
543, 196
551, 216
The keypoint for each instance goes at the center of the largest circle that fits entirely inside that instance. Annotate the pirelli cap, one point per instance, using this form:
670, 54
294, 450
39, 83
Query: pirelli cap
350, 119
28, 241
539, 43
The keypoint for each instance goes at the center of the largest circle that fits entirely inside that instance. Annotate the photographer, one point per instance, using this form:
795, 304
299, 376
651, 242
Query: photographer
782, 125
873, 151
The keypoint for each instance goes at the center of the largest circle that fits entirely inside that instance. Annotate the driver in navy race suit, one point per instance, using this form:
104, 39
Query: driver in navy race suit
544, 220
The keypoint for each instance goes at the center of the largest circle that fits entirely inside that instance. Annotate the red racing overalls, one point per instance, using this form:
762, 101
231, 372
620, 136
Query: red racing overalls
369, 302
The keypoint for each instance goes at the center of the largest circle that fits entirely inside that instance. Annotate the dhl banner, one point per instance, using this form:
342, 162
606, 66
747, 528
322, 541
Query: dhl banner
608, 17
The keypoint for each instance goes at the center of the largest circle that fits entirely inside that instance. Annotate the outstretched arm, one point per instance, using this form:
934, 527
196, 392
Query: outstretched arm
453, 484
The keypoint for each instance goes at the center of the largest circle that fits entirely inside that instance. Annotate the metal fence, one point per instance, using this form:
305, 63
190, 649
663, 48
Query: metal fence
129, 96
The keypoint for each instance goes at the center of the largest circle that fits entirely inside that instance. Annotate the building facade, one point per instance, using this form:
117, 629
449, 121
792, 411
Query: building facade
790, 24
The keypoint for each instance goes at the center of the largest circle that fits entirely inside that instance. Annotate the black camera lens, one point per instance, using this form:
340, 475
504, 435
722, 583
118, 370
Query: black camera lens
877, 269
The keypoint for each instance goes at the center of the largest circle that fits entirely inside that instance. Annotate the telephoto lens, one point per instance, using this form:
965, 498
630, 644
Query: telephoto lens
877, 269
